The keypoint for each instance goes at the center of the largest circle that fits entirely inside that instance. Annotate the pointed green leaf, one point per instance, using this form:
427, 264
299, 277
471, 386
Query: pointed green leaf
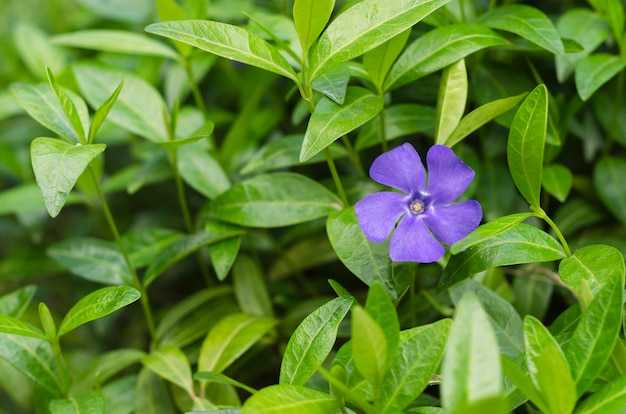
15, 303
222, 379
228, 41
526, 144
201, 171
102, 112
451, 100
250, 285
97, 305
378, 61
527, 22
223, 253
609, 183
274, 200
523, 382
557, 180
330, 121
382, 310
11, 325
609, 398
229, 339
57, 166
310, 18
87, 402
68, 106
488, 230
312, 340
519, 244
47, 321
106, 366
369, 347
172, 364
471, 366
144, 244
364, 26
287, 399
594, 71
334, 83
439, 48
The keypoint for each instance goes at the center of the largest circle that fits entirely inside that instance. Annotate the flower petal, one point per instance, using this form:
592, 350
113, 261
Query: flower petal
411, 242
453, 222
400, 168
378, 213
448, 176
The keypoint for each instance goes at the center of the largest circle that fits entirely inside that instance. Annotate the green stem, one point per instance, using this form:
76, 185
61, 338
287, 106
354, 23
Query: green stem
542, 215
136, 283
383, 133
336, 179
354, 156
195, 91
63, 372
444, 310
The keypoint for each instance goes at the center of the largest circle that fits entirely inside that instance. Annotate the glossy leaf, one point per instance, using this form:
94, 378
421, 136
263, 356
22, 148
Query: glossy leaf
548, 367
413, 365
330, 121
609, 398
312, 340
97, 305
87, 402
171, 364
69, 108
334, 83
364, 26
369, 347
102, 112
608, 179
92, 259
274, 200
228, 41
439, 48
310, 18
201, 170
57, 166
594, 71
251, 288
471, 366
287, 398
12, 325
378, 61
524, 383
557, 180
222, 379
526, 144
527, 22
229, 339
144, 244
488, 230
519, 244
15, 303
451, 100
382, 310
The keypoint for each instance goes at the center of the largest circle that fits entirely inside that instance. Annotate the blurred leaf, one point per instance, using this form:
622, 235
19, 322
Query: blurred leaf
119, 395
378, 61
382, 310
519, 244
312, 340
609, 398
93, 259
274, 200
87, 402
222, 379
369, 347
330, 121
310, 18
439, 48
96, 305
594, 71
35, 49
576, 214
137, 12
607, 177
527, 22
251, 288
143, 245
526, 144
488, 230
284, 398
362, 27
524, 383
151, 395
171, 364
201, 170
532, 293
229, 339
557, 181
451, 100
12, 325
228, 41
333, 83
223, 253
106, 366
15, 303
47, 322
57, 166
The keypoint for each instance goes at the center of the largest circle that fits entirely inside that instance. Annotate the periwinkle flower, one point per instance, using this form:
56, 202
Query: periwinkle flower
425, 211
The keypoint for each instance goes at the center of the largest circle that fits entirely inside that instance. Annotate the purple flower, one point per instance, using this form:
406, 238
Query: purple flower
425, 211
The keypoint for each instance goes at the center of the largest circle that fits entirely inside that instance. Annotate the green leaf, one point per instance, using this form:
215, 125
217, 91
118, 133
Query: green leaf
70, 110
310, 18
378, 61
451, 100
144, 244
22, 199
521, 243
369, 347
527, 22
97, 305
480, 116
223, 253
34, 358
608, 179
228, 41
102, 112
201, 170
594, 71
106, 366
274, 200
15, 303
413, 365
593, 264
229, 339
471, 366
557, 180
334, 83
523, 382
526, 144
87, 402
92, 259
222, 379
312, 340
382, 310
547, 367
178, 250
364, 26
47, 321
57, 166
609, 398
330, 121
438, 49
139, 108
287, 399
251, 288
12, 325
593, 340
116, 41
152, 396
172, 364
489, 230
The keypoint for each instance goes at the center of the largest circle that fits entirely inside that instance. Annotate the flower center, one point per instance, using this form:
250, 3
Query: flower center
417, 207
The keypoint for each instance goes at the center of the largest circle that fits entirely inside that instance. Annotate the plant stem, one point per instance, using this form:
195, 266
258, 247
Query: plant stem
383, 133
136, 283
354, 156
444, 310
336, 179
542, 215
58, 356
195, 91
